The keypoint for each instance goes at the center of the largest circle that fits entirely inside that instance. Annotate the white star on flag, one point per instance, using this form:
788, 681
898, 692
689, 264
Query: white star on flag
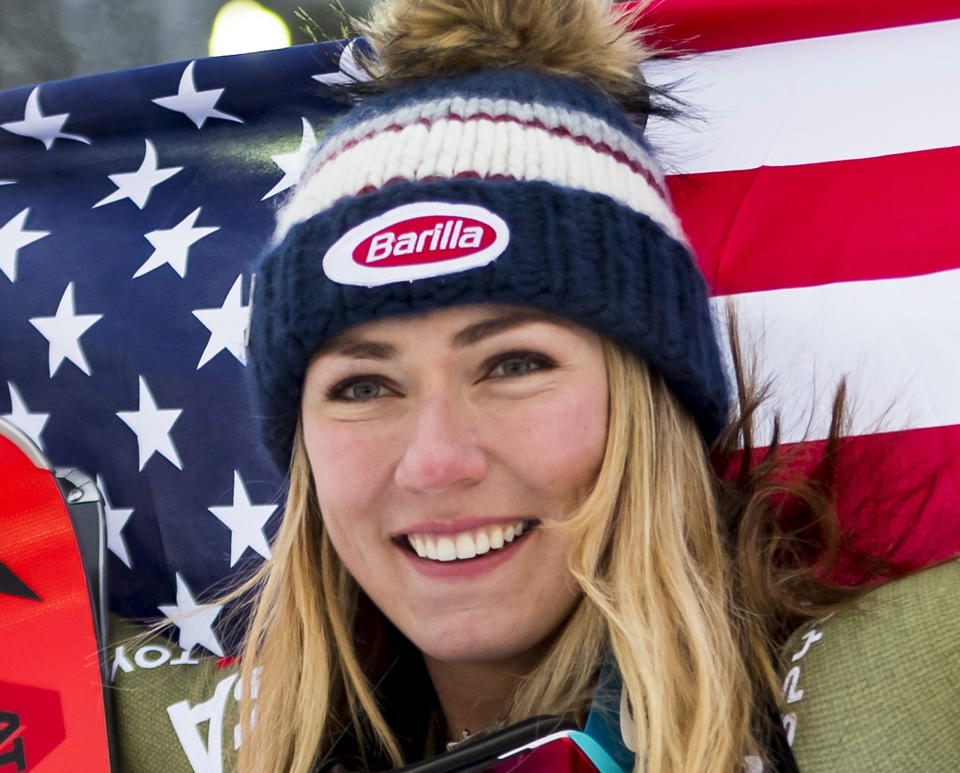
172, 245
117, 518
245, 521
152, 427
63, 331
12, 238
293, 164
349, 70
46, 128
226, 325
194, 620
138, 185
198, 106
31, 424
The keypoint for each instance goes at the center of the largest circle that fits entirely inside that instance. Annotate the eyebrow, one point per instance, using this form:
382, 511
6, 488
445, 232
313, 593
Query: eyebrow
363, 349
490, 327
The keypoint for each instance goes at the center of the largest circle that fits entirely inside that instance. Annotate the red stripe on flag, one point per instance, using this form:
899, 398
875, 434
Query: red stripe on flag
712, 25
899, 495
797, 226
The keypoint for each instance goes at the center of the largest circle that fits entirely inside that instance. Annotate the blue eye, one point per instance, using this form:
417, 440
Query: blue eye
516, 364
364, 390
358, 389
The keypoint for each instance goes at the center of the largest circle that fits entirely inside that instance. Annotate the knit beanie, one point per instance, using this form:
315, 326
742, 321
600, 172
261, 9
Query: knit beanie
523, 185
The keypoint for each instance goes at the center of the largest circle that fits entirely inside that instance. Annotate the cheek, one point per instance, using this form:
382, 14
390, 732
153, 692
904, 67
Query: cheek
563, 442
347, 467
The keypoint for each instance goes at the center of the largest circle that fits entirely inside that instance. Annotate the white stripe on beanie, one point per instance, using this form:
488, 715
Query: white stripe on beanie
486, 146
551, 117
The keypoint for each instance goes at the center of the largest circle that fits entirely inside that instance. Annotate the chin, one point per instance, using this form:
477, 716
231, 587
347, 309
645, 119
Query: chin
476, 641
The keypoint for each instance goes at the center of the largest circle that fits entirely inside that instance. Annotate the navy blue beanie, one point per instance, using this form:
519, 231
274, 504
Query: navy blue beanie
508, 187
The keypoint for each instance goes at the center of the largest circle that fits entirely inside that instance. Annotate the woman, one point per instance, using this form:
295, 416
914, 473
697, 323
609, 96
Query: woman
483, 350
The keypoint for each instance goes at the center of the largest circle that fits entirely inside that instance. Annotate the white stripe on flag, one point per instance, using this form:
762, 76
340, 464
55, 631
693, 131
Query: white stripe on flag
833, 98
897, 341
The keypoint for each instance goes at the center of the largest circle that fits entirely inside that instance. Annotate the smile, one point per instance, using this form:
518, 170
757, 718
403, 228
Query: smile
467, 544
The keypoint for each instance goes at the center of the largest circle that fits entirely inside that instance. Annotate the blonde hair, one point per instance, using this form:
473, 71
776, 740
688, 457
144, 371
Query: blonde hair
648, 553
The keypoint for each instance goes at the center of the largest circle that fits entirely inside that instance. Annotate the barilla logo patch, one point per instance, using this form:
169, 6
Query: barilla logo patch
416, 241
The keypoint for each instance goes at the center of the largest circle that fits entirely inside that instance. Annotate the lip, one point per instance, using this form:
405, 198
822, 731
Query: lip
460, 525
470, 568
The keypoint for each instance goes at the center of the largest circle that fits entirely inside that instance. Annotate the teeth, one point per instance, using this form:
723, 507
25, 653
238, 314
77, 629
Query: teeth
445, 549
465, 545
483, 543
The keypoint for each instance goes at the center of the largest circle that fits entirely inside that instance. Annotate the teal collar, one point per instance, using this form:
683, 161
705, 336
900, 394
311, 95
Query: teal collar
605, 722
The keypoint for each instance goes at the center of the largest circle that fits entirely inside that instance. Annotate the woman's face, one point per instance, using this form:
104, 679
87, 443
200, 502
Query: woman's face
438, 443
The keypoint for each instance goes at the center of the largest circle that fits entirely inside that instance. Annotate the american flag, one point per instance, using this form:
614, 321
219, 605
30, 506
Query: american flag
816, 178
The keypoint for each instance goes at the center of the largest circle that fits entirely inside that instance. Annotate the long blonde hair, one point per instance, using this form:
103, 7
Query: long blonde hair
648, 554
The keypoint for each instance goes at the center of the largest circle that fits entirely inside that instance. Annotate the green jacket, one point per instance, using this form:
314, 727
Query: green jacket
876, 688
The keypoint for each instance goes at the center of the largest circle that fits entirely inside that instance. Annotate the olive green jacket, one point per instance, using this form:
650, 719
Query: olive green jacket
874, 689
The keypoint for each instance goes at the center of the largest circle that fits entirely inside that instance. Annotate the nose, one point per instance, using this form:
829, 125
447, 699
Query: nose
442, 452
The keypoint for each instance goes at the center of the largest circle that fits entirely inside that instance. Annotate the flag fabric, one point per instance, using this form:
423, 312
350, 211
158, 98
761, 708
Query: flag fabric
815, 174
817, 182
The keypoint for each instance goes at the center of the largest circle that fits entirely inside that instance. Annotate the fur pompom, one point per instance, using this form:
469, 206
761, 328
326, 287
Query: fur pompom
582, 39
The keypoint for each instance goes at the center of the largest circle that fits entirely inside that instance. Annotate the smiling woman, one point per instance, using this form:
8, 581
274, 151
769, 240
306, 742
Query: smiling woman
483, 350
442, 446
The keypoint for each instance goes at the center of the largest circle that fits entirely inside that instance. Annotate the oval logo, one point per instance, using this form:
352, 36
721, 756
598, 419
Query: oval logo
415, 241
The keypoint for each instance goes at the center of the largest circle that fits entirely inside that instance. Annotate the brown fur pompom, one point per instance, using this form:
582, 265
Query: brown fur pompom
581, 39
